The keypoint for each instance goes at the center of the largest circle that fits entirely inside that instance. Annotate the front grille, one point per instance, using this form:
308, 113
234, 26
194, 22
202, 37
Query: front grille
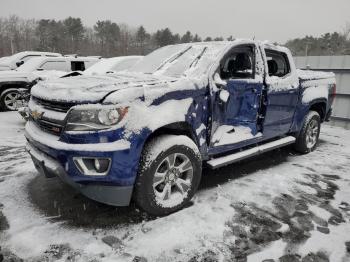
54, 105
48, 126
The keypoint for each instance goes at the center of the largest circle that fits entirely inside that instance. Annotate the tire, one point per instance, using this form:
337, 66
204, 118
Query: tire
9, 100
168, 161
309, 133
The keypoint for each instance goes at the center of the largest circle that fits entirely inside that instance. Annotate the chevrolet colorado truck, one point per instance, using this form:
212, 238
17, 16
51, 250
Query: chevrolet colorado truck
144, 133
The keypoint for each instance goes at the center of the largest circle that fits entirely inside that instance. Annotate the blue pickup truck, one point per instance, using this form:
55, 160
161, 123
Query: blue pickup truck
145, 133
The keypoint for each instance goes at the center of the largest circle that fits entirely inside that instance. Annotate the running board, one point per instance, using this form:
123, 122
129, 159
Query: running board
229, 159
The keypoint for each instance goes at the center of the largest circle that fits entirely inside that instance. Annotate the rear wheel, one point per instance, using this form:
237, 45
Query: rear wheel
169, 174
10, 100
309, 133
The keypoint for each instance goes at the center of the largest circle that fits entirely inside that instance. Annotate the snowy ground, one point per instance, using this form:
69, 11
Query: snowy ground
277, 207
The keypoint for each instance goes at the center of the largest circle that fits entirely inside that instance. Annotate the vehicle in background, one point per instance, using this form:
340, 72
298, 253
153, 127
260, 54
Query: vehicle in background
112, 65
145, 132
15, 85
18, 59
109, 66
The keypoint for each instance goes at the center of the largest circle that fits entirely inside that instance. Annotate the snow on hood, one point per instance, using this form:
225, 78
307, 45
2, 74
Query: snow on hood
5, 68
94, 88
15, 75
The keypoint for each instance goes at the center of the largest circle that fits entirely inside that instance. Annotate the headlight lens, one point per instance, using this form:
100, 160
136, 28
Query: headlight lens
92, 119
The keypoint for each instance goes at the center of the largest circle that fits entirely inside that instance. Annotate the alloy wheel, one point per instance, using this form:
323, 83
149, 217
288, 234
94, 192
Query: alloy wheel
172, 180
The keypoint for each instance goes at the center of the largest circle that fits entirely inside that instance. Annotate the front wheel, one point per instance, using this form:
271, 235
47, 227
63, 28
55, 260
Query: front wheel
309, 133
10, 100
169, 174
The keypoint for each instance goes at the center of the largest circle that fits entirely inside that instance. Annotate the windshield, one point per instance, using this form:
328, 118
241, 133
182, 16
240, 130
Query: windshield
31, 65
112, 65
180, 60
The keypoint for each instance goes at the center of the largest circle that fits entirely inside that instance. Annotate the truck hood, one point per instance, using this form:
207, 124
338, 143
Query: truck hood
93, 89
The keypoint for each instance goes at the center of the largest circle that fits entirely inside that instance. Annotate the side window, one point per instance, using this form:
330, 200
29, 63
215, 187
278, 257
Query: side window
278, 63
239, 63
55, 65
26, 58
78, 66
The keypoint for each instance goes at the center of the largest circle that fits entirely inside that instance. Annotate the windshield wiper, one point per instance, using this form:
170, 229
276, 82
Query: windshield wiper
196, 60
172, 59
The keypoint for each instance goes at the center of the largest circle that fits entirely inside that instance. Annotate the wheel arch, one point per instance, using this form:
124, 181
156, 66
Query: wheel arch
319, 106
176, 128
9, 85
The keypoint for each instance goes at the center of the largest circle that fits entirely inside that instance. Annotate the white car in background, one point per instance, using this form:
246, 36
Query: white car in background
110, 65
18, 59
16, 83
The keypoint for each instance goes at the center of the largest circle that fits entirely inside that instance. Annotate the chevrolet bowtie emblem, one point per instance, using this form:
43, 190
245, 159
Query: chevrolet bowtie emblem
36, 114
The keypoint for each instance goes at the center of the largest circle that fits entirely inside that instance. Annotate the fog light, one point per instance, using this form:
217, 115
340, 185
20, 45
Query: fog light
101, 164
93, 166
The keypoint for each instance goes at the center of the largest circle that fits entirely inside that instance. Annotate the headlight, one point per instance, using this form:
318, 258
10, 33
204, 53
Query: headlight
94, 118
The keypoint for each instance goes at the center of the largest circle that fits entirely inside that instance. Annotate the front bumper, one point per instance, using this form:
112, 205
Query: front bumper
54, 157
49, 167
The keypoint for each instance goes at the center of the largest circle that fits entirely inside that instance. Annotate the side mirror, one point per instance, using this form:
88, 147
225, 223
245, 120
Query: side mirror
219, 82
19, 63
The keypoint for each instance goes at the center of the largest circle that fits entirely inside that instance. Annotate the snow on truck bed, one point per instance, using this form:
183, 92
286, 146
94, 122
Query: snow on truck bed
314, 75
317, 84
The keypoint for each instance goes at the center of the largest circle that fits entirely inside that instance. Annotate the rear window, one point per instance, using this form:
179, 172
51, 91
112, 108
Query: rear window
78, 66
278, 63
26, 58
55, 65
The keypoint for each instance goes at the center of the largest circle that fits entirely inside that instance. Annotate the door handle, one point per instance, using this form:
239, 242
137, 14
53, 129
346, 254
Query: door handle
254, 90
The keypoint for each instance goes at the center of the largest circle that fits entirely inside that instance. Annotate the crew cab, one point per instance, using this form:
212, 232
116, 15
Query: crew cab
18, 59
20, 80
144, 133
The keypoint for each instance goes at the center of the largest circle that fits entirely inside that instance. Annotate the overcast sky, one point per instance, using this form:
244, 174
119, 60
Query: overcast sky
275, 20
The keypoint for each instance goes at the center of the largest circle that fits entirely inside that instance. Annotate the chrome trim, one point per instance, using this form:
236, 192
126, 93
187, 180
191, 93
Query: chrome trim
79, 163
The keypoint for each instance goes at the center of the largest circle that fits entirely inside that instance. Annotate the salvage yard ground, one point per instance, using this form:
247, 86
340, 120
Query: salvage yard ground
281, 206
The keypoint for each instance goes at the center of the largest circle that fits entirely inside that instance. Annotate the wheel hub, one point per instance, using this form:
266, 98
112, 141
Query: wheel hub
172, 179
172, 176
312, 134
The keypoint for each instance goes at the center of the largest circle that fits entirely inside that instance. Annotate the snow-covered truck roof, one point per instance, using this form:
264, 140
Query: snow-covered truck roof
190, 59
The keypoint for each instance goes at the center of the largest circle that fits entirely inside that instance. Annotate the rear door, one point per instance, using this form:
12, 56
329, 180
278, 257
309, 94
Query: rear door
282, 92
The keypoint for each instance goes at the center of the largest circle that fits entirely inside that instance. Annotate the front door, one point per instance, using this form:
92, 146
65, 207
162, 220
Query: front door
236, 103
